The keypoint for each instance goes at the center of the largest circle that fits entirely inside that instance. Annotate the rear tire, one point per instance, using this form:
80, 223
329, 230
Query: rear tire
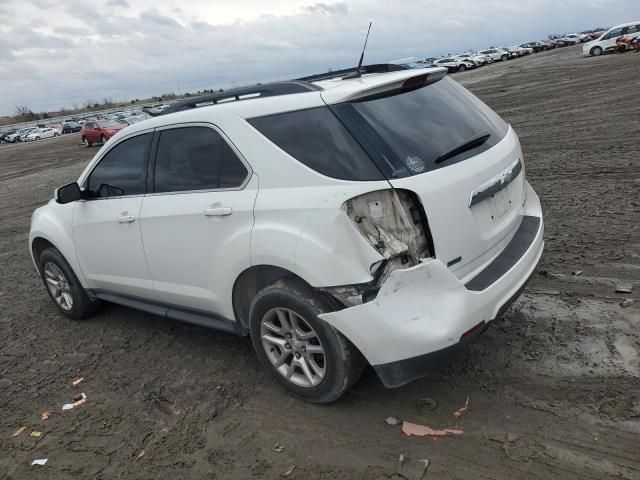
63, 286
504, 58
56, 134
596, 51
285, 329
86, 142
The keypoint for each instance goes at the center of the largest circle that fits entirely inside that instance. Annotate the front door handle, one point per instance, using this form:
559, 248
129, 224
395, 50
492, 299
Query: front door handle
217, 211
126, 218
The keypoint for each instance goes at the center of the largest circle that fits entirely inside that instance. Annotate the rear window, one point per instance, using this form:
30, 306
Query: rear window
419, 131
316, 138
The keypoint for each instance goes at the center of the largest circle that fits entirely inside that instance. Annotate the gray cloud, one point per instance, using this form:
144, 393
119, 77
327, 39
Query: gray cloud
328, 9
118, 3
79, 49
152, 16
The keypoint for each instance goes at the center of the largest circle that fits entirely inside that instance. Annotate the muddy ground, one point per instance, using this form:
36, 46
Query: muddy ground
554, 388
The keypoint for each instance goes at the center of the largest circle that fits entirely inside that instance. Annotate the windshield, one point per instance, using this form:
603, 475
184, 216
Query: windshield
109, 123
413, 130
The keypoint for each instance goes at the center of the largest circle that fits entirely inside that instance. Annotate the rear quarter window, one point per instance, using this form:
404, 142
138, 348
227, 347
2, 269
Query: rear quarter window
317, 138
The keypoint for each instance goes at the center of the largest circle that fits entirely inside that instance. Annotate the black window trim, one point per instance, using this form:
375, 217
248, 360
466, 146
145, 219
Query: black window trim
154, 152
85, 180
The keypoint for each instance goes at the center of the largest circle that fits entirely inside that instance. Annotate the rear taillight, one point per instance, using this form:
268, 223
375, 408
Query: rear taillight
415, 83
393, 222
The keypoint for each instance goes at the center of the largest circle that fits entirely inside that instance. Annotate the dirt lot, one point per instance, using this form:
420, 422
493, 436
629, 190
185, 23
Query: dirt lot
554, 387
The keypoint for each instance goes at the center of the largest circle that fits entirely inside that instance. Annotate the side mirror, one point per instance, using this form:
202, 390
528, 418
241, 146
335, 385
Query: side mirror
97, 128
68, 193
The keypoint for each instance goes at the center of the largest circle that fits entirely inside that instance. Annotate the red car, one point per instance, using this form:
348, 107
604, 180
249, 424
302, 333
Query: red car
94, 131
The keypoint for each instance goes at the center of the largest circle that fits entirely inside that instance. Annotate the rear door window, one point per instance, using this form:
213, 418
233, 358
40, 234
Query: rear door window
196, 158
317, 138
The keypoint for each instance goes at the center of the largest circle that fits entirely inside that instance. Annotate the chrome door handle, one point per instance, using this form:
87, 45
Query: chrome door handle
217, 211
126, 218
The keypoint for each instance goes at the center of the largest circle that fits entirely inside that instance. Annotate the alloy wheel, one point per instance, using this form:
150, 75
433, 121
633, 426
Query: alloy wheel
293, 347
58, 286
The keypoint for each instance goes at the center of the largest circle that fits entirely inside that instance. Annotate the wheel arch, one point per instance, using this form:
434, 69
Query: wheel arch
250, 282
51, 226
39, 245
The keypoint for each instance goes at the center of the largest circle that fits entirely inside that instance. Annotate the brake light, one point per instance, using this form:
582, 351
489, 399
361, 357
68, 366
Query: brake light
415, 83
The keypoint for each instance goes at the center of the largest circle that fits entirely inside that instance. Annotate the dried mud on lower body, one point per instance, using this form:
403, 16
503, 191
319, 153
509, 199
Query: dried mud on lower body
554, 387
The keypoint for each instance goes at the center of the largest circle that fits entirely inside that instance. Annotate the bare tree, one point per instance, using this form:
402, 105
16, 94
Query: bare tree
24, 113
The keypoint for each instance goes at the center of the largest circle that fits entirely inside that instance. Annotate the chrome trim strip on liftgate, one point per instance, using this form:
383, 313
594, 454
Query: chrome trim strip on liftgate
496, 183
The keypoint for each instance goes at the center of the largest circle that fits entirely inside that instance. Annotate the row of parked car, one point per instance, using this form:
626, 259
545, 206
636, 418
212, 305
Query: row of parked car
28, 134
93, 128
474, 59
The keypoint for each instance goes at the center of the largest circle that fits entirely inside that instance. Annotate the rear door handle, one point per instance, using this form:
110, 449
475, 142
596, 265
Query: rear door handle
126, 218
217, 211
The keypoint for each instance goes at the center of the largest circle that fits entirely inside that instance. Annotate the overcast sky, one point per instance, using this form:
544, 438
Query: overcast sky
57, 53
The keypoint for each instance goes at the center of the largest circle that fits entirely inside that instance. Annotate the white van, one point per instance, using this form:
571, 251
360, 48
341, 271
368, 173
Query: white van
607, 41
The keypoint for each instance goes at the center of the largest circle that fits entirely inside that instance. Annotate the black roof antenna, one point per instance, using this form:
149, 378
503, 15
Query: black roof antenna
358, 72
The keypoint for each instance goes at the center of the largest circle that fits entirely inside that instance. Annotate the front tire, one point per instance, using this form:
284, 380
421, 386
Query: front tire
103, 139
63, 286
306, 355
462, 68
596, 51
504, 58
86, 142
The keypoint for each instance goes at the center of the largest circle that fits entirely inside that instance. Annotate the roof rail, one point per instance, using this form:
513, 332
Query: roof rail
377, 68
244, 93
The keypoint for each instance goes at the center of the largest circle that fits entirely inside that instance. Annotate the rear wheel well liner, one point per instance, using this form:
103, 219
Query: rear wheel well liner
256, 278
249, 283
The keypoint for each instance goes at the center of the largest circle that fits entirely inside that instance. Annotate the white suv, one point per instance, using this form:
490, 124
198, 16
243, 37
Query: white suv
455, 64
496, 54
380, 218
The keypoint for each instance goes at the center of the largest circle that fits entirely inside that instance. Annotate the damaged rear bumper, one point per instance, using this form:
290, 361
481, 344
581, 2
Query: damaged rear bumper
424, 313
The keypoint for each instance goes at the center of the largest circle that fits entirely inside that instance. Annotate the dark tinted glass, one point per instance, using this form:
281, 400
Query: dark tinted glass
316, 138
196, 158
122, 171
421, 125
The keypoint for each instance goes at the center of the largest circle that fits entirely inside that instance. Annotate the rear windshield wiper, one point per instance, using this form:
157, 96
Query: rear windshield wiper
472, 142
